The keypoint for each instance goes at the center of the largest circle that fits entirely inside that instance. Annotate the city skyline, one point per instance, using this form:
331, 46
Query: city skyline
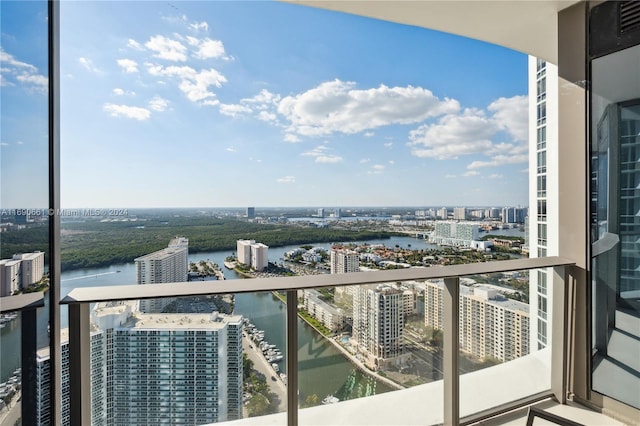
270, 104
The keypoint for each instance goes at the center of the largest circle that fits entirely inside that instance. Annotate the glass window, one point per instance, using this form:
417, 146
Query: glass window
615, 203
542, 210
542, 186
542, 138
542, 161
542, 88
542, 113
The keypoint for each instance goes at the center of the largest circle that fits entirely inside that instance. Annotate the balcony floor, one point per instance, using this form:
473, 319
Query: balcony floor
572, 411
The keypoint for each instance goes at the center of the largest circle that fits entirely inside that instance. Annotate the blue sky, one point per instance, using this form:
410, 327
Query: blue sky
182, 104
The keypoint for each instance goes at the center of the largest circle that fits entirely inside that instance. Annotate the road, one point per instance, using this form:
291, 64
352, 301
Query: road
12, 415
262, 365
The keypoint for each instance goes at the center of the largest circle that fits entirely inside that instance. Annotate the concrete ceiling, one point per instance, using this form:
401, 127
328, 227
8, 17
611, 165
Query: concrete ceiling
528, 26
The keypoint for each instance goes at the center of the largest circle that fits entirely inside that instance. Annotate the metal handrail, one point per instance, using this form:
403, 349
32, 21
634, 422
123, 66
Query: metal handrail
137, 292
21, 302
79, 300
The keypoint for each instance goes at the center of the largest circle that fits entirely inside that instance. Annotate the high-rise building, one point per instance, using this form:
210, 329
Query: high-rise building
251, 212
321, 213
378, 324
172, 368
32, 266
543, 192
459, 234
259, 256
252, 254
490, 325
98, 388
344, 261
21, 271
443, 213
243, 248
10, 276
459, 213
163, 266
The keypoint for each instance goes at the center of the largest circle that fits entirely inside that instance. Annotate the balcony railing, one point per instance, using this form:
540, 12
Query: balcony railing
26, 305
79, 301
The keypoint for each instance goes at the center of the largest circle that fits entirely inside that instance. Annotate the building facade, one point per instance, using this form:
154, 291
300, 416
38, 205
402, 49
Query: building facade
149, 369
168, 265
491, 326
543, 141
459, 234
98, 389
344, 261
378, 324
331, 317
259, 256
21, 271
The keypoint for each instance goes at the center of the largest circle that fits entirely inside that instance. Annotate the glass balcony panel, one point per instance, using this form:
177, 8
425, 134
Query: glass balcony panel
24, 154
505, 342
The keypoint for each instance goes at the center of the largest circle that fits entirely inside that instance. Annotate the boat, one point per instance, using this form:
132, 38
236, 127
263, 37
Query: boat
330, 399
275, 367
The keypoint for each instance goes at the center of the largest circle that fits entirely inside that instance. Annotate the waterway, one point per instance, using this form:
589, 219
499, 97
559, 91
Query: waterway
323, 370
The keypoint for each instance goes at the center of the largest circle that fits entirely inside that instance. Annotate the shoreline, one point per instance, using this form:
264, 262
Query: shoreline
355, 361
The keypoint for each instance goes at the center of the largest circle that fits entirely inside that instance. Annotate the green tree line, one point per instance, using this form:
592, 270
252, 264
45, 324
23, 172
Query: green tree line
96, 244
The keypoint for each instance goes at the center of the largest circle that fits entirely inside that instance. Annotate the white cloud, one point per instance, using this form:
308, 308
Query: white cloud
337, 106
158, 104
267, 116
231, 149
499, 160
328, 159
286, 179
4, 144
369, 134
166, 48
22, 72
121, 92
453, 135
208, 49
392, 162
321, 156
471, 173
88, 64
134, 44
376, 169
36, 79
197, 89
7, 59
197, 26
233, 110
264, 98
495, 176
388, 144
512, 115
20, 143
291, 138
449, 176
194, 84
365, 160
127, 111
128, 65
